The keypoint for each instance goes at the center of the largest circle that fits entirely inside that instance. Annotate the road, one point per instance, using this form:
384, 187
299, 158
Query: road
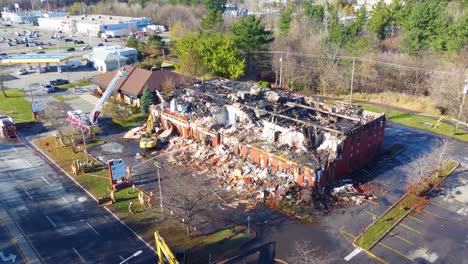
62, 223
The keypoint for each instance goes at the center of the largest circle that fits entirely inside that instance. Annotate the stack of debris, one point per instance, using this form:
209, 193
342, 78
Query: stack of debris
250, 182
347, 194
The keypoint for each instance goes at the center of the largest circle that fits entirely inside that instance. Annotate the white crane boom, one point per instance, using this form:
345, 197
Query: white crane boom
93, 116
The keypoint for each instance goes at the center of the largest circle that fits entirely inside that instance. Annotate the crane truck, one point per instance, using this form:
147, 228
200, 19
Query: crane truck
88, 121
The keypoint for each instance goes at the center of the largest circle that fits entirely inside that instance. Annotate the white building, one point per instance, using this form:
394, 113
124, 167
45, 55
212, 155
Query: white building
28, 17
107, 58
368, 4
93, 25
105, 62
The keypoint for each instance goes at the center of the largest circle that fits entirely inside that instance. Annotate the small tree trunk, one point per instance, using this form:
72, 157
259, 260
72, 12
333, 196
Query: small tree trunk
189, 235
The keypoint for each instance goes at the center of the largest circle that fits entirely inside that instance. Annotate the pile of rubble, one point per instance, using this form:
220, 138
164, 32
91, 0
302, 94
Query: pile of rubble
250, 182
348, 194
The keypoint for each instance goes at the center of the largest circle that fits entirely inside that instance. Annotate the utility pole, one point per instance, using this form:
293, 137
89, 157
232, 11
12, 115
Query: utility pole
159, 184
352, 81
281, 71
85, 148
465, 91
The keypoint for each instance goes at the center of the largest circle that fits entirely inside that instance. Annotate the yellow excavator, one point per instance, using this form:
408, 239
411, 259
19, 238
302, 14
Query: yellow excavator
147, 140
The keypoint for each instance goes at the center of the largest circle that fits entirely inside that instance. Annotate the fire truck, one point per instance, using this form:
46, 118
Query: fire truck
7, 127
88, 121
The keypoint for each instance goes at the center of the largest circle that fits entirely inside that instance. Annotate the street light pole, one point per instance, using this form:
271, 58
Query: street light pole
281, 71
132, 256
352, 81
159, 184
465, 91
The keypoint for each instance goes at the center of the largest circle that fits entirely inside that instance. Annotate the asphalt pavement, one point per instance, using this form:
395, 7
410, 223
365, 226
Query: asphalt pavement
62, 223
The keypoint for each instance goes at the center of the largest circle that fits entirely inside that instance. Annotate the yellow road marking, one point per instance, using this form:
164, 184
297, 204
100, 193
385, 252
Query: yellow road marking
371, 213
445, 207
344, 234
13, 241
436, 215
393, 196
375, 257
407, 241
280, 261
396, 251
419, 220
410, 228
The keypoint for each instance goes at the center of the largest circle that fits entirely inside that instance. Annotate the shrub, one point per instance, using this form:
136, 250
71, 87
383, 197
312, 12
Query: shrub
264, 84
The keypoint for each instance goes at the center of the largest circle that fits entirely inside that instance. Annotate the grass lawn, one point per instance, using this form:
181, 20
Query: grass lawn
16, 106
61, 98
385, 222
131, 121
416, 121
298, 211
74, 84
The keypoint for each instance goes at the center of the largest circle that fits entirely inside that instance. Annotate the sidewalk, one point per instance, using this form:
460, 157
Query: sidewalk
27, 250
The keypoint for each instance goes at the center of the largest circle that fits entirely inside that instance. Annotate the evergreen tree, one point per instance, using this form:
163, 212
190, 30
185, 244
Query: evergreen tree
250, 35
213, 21
219, 5
147, 99
380, 18
285, 21
132, 42
313, 10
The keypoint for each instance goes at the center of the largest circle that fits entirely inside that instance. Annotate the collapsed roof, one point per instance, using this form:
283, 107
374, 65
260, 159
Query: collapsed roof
302, 129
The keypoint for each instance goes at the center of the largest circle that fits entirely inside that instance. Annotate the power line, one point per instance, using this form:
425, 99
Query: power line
300, 54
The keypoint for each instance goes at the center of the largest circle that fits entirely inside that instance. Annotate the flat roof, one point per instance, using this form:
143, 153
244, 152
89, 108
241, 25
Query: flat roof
36, 58
96, 19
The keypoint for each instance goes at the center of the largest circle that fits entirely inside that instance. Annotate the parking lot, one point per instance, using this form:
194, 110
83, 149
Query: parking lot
438, 234
50, 45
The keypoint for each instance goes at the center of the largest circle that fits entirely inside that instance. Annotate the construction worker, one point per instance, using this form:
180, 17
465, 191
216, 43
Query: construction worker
130, 208
141, 199
112, 196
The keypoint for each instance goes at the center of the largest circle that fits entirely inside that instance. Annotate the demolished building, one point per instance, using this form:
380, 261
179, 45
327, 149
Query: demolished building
310, 142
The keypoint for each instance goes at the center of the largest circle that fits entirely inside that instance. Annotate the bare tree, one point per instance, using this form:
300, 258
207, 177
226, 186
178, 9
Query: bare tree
424, 164
305, 253
3, 79
189, 197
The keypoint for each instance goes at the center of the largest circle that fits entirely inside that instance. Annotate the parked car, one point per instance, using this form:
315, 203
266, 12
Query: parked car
100, 45
86, 47
78, 42
40, 52
22, 71
73, 64
3, 55
58, 82
48, 88
67, 40
70, 49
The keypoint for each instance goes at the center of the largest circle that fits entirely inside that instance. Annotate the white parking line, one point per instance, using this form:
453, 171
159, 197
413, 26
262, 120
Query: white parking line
28, 163
11, 175
122, 259
28, 194
50, 220
352, 254
93, 229
45, 180
67, 202
82, 259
